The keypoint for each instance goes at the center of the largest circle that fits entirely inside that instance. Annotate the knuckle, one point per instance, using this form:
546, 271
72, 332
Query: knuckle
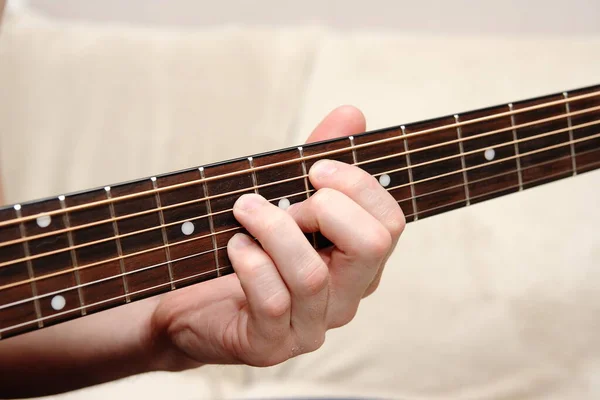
256, 267
313, 278
273, 222
373, 286
316, 342
361, 178
278, 304
378, 242
344, 316
323, 197
396, 222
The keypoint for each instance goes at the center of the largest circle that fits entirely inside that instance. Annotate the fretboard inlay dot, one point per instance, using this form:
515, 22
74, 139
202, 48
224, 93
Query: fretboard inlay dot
284, 204
385, 180
187, 228
43, 221
58, 303
489, 154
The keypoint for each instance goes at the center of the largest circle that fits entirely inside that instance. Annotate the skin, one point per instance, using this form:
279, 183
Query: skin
279, 304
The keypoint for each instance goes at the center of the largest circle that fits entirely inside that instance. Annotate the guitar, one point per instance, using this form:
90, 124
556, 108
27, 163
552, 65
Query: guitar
72, 255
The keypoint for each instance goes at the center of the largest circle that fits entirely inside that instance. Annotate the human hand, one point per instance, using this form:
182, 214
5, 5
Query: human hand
286, 295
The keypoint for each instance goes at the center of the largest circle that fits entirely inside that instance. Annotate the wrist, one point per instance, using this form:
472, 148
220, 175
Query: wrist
161, 353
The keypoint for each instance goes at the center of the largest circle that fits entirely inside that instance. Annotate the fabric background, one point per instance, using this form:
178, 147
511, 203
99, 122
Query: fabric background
496, 301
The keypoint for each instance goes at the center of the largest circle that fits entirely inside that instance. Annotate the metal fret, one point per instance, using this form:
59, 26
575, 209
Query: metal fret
67, 225
354, 159
254, 180
517, 158
410, 175
211, 223
304, 172
115, 227
307, 187
161, 218
570, 124
34, 291
462, 159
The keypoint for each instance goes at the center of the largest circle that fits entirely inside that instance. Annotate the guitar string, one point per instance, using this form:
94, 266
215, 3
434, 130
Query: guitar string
114, 237
8, 286
506, 188
262, 186
329, 152
80, 308
106, 301
301, 193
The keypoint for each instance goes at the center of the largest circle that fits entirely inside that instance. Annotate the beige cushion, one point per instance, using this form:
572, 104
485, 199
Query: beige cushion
499, 300
91, 105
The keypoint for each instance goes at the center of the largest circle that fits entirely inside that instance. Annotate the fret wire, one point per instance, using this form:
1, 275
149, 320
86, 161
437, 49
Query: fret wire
389, 189
486, 178
184, 203
39, 320
103, 301
410, 175
501, 160
165, 239
307, 187
395, 170
462, 159
253, 173
332, 152
510, 187
354, 159
146, 268
67, 224
51, 275
22, 231
494, 161
570, 125
515, 140
291, 179
111, 208
211, 223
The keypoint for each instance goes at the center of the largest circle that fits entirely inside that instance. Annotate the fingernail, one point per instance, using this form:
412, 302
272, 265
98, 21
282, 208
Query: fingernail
239, 241
323, 168
249, 202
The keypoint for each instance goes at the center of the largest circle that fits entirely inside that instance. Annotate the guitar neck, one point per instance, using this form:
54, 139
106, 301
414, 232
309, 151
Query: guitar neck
68, 256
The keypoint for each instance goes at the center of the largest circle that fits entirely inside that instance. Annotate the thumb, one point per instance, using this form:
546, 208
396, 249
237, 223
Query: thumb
343, 121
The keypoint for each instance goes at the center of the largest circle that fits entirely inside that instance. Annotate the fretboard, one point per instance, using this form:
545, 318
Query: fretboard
71, 255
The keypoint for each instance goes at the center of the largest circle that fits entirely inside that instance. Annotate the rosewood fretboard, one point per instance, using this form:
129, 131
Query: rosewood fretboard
72, 255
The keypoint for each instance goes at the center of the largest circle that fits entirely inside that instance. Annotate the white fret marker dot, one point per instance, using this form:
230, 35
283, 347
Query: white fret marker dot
17, 207
187, 228
489, 154
58, 303
385, 180
284, 204
43, 221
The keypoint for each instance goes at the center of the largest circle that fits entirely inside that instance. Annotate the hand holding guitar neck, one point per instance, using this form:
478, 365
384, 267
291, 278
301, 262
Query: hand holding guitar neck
283, 298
